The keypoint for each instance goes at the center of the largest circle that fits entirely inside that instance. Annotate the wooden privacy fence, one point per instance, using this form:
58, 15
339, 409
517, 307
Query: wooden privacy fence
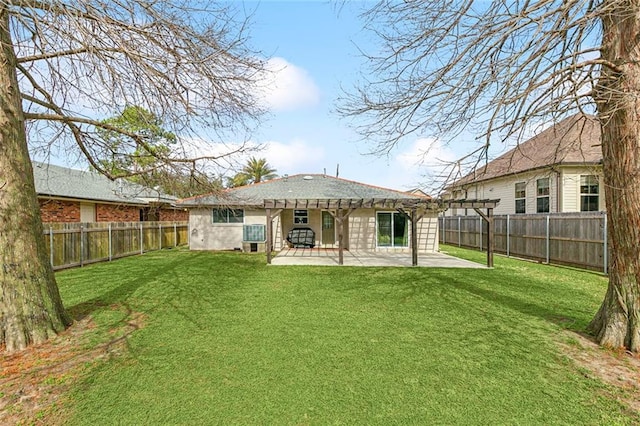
572, 239
76, 244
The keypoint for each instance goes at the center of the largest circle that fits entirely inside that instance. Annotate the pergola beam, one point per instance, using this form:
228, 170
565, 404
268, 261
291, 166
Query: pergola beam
413, 208
470, 204
353, 203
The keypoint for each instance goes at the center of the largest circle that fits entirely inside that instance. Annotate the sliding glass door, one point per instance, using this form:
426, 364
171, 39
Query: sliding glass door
392, 229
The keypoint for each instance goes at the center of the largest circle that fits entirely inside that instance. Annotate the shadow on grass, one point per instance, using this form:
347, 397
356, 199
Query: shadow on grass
139, 274
187, 282
562, 305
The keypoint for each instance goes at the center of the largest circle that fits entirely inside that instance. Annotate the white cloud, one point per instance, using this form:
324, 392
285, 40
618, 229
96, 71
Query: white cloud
422, 165
426, 153
287, 87
295, 157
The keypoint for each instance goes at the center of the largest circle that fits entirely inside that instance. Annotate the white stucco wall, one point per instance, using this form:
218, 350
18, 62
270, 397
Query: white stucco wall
360, 229
206, 235
362, 235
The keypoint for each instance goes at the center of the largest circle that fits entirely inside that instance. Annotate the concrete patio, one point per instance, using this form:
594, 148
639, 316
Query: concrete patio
329, 257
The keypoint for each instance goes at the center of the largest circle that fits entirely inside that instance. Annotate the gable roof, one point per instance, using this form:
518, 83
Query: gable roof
56, 181
572, 141
299, 187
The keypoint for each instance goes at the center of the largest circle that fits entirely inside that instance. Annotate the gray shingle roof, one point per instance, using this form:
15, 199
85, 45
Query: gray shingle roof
574, 140
301, 187
56, 181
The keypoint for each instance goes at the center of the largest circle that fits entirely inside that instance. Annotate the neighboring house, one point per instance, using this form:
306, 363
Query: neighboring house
373, 218
69, 195
559, 170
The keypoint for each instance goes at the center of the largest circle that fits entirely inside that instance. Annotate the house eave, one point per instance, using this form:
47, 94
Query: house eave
519, 172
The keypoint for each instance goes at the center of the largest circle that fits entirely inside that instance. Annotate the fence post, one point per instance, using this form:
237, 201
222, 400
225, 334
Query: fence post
480, 231
110, 246
508, 231
81, 244
175, 235
459, 231
605, 255
547, 239
141, 240
159, 236
444, 228
51, 244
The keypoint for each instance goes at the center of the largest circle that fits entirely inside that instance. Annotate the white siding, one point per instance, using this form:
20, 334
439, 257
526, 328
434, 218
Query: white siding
571, 187
563, 199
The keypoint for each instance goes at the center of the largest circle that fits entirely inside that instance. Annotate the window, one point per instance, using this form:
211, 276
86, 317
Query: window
393, 230
589, 190
542, 200
253, 233
228, 216
521, 197
300, 216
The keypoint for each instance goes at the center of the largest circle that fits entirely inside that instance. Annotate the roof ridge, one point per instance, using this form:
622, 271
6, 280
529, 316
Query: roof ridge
555, 133
382, 187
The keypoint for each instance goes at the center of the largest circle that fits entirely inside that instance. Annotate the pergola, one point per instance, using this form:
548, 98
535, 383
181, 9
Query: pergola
413, 208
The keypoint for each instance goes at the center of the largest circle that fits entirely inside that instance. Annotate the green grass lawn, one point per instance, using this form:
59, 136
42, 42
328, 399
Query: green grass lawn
226, 339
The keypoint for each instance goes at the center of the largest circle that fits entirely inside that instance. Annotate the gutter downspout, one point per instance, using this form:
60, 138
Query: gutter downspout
559, 184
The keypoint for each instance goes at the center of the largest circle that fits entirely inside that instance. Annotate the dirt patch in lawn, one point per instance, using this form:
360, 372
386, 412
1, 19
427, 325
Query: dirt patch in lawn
34, 383
618, 368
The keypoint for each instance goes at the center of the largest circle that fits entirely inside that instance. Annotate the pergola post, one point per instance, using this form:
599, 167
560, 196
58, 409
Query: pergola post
339, 219
269, 243
489, 219
414, 237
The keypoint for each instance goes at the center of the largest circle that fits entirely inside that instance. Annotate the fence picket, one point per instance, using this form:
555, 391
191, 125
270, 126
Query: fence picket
575, 239
75, 244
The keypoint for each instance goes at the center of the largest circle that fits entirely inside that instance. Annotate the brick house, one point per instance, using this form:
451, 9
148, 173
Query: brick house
69, 195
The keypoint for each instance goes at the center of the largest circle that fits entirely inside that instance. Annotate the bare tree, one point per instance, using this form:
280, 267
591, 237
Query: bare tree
64, 66
495, 67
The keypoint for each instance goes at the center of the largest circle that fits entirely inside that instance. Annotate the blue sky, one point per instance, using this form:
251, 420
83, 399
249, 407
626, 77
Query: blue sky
314, 47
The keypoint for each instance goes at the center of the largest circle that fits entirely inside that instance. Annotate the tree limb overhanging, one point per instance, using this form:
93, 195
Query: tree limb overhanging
448, 67
64, 67
494, 69
186, 62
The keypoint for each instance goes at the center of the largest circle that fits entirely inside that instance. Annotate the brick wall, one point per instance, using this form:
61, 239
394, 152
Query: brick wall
59, 211
173, 215
69, 211
117, 213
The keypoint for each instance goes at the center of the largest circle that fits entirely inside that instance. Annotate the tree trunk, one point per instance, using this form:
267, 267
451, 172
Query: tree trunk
31, 310
617, 323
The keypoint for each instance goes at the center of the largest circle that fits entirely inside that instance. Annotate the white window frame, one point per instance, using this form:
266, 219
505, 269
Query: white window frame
589, 194
522, 198
300, 218
227, 216
392, 242
546, 195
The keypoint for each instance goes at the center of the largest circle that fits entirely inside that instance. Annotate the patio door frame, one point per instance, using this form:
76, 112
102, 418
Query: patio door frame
335, 228
407, 230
